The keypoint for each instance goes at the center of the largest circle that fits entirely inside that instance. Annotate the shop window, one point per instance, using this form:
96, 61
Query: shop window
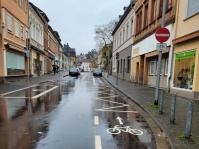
192, 7
151, 67
184, 70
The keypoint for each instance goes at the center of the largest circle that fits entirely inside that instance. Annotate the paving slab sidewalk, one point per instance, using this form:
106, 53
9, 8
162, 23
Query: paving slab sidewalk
144, 96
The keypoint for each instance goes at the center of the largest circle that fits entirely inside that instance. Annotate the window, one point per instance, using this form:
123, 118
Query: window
166, 67
139, 22
127, 31
151, 67
132, 27
192, 7
128, 64
121, 67
9, 22
19, 3
16, 28
26, 34
123, 34
24, 5
120, 38
146, 15
153, 8
22, 32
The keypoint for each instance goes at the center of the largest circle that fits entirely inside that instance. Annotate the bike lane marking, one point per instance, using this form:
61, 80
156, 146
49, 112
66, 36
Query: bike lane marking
98, 144
96, 120
45, 92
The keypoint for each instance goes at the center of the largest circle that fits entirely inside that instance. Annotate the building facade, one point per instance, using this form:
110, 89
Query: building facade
148, 15
37, 53
185, 70
122, 43
14, 33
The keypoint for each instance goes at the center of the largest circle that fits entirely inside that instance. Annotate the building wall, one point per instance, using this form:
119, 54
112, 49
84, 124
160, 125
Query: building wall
122, 42
10, 37
124, 55
185, 24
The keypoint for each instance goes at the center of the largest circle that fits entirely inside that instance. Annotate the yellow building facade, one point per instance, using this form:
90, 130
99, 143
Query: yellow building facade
14, 34
184, 81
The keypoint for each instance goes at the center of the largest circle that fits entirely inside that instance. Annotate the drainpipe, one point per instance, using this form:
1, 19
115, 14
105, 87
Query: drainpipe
172, 47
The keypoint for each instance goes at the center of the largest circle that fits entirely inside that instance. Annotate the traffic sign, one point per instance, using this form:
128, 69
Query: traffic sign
161, 46
162, 34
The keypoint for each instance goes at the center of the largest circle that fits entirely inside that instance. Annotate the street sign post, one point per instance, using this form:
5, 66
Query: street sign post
162, 34
28, 56
161, 47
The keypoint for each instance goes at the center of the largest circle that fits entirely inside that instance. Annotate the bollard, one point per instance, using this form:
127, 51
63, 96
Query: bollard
161, 101
189, 120
173, 107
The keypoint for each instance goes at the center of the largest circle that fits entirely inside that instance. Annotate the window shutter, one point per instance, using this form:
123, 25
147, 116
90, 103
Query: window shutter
193, 7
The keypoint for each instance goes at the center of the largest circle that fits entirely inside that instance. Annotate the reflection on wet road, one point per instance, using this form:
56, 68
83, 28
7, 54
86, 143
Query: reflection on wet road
72, 113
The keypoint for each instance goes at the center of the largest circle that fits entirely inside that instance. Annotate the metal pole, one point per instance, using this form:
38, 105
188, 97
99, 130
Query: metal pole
108, 64
159, 58
173, 108
189, 120
161, 101
28, 69
117, 73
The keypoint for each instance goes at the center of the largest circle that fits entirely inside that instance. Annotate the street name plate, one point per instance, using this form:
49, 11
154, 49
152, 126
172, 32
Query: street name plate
161, 47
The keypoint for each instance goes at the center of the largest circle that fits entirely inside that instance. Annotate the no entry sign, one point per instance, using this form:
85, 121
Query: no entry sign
162, 34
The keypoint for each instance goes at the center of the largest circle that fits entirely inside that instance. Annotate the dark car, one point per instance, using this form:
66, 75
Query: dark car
74, 72
97, 72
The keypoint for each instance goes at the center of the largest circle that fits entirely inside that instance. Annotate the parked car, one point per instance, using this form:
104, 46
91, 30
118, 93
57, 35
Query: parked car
74, 72
97, 72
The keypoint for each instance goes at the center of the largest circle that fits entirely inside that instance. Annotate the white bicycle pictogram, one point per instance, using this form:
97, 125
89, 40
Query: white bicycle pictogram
118, 130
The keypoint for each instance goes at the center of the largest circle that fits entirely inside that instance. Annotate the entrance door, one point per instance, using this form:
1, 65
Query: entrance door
137, 72
38, 64
124, 69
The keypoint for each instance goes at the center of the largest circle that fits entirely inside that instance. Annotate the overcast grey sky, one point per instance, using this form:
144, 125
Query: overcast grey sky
75, 19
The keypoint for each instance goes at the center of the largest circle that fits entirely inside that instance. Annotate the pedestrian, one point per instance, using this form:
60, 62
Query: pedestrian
57, 69
54, 69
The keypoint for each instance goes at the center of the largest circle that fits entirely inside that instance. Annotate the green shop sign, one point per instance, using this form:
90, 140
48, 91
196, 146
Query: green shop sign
189, 54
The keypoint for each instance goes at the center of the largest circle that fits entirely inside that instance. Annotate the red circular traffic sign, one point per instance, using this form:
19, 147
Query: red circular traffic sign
162, 34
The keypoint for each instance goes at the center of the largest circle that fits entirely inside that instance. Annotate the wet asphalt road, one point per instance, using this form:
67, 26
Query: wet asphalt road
72, 113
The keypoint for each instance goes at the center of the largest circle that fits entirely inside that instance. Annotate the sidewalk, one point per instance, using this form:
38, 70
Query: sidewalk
10, 86
144, 96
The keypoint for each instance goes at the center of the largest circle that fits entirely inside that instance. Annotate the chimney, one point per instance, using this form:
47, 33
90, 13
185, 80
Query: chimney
120, 16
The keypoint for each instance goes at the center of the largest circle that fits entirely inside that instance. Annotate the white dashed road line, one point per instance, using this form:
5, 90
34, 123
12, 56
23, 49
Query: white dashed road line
98, 144
96, 120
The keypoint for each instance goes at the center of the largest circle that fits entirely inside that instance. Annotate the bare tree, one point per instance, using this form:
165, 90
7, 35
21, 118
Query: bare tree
103, 34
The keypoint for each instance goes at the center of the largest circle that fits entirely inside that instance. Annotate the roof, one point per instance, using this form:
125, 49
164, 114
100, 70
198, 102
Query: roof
127, 11
35, 8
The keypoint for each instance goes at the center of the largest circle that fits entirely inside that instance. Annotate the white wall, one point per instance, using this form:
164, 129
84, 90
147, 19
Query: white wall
149, 44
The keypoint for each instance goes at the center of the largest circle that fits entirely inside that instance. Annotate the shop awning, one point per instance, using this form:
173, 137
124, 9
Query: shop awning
185, 55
